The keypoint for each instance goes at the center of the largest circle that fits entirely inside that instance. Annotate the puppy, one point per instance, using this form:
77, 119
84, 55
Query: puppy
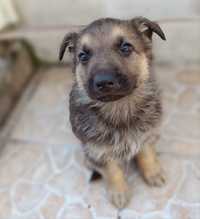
115, 102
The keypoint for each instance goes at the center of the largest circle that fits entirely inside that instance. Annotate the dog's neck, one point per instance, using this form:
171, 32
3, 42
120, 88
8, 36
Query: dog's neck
128, 107
124, 109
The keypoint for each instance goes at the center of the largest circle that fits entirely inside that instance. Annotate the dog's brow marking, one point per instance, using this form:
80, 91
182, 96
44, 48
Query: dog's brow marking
86, 39
79, 80
144, 66
117, 32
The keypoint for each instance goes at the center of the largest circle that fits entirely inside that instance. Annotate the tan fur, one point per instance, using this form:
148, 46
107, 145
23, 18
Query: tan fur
116, 31
86, 39
149, 166
144, 66
114, 176
117, 186
79, 78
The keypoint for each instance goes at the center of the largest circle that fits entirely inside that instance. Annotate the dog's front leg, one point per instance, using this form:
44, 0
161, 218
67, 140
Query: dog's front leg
116, 184
149, 165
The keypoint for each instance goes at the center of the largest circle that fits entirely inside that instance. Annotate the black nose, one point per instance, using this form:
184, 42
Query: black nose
105, 82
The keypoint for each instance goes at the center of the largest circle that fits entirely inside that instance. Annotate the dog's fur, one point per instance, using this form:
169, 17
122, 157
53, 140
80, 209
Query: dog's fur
113, 132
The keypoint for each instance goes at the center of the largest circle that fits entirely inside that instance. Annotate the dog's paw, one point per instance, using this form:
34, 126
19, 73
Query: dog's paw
120, 199
155, 177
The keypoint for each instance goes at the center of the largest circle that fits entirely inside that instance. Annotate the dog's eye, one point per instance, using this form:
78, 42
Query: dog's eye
126, 48
84, 56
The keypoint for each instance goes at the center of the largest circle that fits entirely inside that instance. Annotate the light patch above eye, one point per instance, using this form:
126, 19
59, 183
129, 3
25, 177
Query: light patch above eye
86, 39
144, 66
117, 32
87, 43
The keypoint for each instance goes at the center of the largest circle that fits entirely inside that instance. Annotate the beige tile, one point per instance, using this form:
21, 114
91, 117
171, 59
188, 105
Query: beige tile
5, 205
45, 117
153, 216
184, 212
42, 171
61, 155
27, 196
129, 214
52, 206
179, 147
146, 198
29, 215
97, 198
189, 77
17, 160
196, 168
189, 191
188, 99
77, 211
71, 181
186, 126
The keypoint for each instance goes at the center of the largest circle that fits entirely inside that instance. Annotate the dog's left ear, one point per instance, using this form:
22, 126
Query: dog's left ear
147, 27
69, 42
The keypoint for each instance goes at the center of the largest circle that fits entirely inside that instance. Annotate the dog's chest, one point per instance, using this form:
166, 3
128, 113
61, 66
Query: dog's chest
125, 147
122, 150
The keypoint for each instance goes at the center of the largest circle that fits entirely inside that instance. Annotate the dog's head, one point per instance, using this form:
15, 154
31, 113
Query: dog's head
111, 57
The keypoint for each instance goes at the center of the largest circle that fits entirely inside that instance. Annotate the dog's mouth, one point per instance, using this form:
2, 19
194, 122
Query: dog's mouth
112, 95
110, 98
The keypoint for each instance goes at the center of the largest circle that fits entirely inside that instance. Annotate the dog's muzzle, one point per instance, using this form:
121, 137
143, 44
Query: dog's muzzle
108, 85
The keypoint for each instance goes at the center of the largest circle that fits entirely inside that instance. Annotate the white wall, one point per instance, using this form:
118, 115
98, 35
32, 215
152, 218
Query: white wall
61, 12
182, 45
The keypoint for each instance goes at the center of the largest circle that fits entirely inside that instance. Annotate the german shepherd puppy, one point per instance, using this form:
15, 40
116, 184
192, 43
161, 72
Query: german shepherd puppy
115, 102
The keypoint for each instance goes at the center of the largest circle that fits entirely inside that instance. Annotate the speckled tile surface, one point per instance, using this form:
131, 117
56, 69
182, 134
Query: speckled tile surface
41, 163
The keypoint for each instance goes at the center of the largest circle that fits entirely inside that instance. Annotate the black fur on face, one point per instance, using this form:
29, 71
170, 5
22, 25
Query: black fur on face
108, 83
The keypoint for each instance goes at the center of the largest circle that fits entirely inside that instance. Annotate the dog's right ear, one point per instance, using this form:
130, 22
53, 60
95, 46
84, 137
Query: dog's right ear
147, 27
69, 42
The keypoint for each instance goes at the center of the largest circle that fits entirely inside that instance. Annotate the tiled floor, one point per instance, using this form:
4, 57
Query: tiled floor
41, 163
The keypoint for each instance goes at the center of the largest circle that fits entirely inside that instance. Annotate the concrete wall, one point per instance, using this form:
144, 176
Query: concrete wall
61, 12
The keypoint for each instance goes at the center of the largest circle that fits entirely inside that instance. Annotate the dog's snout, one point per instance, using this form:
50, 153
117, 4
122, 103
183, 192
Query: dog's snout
105, 82
109, 84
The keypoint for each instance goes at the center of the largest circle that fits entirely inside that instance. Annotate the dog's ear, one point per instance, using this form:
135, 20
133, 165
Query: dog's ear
147, 27
69, 42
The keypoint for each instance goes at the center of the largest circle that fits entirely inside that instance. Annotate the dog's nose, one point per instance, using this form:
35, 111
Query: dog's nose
105, 82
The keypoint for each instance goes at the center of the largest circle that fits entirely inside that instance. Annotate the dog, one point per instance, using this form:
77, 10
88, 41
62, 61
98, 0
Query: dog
115, 101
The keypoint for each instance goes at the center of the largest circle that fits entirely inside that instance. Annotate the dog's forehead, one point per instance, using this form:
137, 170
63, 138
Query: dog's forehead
110, 33
103, 32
